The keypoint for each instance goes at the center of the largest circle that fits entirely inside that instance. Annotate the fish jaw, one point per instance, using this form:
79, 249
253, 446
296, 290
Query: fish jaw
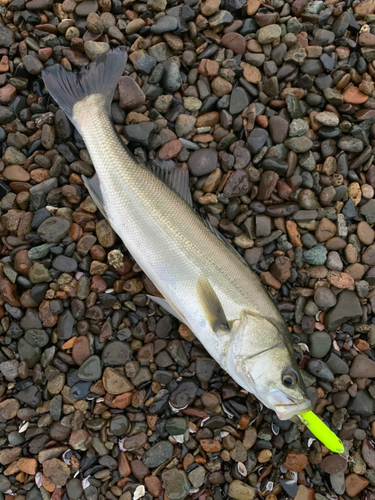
288, 410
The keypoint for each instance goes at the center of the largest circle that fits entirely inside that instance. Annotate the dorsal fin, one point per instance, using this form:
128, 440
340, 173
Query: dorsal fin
174, 176
224, 240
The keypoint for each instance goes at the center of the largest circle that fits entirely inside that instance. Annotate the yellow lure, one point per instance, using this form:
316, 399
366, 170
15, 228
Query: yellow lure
322, 432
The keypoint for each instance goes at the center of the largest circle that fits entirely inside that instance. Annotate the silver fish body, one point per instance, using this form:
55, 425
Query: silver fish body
204, 283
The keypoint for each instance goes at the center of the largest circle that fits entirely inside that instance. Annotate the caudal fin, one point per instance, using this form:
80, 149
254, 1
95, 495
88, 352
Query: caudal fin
99, 77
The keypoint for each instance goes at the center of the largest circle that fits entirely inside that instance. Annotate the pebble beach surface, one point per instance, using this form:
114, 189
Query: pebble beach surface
271, 104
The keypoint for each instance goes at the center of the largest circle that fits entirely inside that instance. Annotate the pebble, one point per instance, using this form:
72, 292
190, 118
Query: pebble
202, 162
9, 408
295, 461
347, 308
176, 484
90, 369
54, 229
115, 383
240, 490
319, 344
158, 454
56, 470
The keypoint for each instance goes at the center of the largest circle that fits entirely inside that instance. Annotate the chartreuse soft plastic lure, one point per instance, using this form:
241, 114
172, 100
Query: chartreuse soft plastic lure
322, 432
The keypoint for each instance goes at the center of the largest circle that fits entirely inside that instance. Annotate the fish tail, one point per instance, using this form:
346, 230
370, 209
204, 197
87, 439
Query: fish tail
93, 85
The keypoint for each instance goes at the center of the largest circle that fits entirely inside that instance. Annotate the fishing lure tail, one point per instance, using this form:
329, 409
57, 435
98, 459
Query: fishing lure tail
322, 432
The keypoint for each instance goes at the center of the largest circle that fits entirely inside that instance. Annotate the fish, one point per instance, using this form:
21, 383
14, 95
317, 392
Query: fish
204, 281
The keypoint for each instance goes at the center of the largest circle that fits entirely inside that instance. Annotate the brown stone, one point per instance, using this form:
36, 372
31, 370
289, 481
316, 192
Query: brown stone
9, 292
81, 350
115, 382
251, 73
326, 229
57, 471
7, 93
9, 455
249, 438
209, 7
293, 233
123, 400
28, 465
355, 193
365, 233
234, 41
295, 461
208, 119
280, 268
354, 484
16, 173
39, 175
365, 8
153, 485
362, 367
79, 439
267, 279
130, 94
341, 280
210, 400
123, 465
220, 86
264, 456
9, 408
366, 40
352, 95
304, 493
333, 464
356, 270
335, 243
186, 333
106, 235
135, 442
368, 256
208, 68
45, 53
47, 318
267, 184
4, 64
22, 262
252, 6
133, 286
210, 445
170, 150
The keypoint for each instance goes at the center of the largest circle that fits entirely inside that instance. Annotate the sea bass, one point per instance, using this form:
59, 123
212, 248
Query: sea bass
205, 284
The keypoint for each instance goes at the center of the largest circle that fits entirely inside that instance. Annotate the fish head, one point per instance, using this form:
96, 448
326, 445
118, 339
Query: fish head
262, 361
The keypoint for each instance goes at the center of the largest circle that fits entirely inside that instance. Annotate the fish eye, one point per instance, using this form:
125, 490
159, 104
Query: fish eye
290, 379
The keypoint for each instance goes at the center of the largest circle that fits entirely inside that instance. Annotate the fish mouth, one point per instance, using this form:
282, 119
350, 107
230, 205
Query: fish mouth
287, 411
287, 407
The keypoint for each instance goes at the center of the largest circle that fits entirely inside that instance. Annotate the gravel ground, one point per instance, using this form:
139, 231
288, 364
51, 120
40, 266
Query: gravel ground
272, 106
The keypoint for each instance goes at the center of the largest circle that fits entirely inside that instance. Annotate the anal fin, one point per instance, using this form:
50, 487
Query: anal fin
211, 305
93, 187
167, 307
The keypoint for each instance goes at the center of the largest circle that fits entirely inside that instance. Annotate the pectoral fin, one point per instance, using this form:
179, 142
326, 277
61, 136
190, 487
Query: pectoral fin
170, 309
212, 308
